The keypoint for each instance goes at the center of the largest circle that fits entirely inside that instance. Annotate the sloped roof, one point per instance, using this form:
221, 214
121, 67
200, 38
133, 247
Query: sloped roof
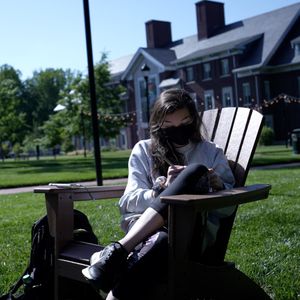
164, 56
227, 46
160, 57
270, 28
272, 25
117, 66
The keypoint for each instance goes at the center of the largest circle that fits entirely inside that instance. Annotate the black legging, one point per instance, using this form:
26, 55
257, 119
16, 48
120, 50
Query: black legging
147, 264
187, 182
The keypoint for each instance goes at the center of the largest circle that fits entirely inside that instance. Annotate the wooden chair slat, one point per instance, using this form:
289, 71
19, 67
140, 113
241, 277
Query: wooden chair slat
209, 119
237, 134
249, 144
69, 269
79, 251
224, 127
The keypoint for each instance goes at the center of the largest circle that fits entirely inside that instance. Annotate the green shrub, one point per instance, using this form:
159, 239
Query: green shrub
267, 136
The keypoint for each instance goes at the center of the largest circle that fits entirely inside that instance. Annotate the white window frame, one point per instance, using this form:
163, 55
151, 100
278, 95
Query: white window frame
227, 93
225, 67
207, 71
209, 99
190, 74
246, 93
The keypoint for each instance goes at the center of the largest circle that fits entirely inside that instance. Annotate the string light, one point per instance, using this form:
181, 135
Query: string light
125, 118
267, 103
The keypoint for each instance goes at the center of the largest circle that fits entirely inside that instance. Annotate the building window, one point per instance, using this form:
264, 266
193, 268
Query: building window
227, 99
206, 71
297, 49
246, 93
190, 74
224, 67
296, 46
209, 99
152, 95
267, 90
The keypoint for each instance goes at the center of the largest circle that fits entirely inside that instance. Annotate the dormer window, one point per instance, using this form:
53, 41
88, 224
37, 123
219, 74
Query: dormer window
296, 46
297, 49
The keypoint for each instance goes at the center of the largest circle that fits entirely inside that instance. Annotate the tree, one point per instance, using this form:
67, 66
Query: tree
55, 132
12, 119
108, 100
42, 94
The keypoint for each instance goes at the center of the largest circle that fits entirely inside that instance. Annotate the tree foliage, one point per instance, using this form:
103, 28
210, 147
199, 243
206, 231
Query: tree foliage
12, 119
109, 101
42, 93
27, 108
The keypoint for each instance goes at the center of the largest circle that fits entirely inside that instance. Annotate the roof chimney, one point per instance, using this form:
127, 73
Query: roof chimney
210, 18
158, 34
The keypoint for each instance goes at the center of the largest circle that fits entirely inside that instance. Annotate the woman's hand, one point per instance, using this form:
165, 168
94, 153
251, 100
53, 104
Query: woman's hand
215, 182
173, 172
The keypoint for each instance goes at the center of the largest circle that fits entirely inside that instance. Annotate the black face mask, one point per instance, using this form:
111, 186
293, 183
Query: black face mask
179, 135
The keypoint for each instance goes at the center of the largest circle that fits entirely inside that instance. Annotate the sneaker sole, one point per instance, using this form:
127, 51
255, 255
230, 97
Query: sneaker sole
97, 284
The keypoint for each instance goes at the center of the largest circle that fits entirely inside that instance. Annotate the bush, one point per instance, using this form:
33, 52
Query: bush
267, 136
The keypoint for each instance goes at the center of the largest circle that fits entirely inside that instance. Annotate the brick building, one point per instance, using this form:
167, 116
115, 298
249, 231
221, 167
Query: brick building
253, 62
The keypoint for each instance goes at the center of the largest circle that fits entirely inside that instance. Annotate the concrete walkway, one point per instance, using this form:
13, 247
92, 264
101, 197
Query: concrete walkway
27, 189
122, 181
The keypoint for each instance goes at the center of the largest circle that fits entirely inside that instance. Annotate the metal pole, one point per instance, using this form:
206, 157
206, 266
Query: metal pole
94, 113
83, 131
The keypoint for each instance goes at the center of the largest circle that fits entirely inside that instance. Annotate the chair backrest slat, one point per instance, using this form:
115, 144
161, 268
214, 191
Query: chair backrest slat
236, 131
209, 119
251, 138
223, 129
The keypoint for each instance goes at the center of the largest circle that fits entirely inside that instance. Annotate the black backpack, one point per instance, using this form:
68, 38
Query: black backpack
36, 283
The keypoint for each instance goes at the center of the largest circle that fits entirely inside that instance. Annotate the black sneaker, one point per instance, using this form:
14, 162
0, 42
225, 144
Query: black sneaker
106, 267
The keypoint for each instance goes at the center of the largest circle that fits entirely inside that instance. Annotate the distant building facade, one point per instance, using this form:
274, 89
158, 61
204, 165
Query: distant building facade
253, 62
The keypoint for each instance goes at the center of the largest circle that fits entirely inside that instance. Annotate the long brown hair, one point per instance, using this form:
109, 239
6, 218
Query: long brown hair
164, 153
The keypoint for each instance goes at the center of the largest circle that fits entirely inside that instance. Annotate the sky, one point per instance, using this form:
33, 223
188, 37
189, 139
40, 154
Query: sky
40, 34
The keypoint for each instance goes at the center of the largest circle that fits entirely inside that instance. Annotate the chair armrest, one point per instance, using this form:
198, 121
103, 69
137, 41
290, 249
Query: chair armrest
83, 193
222, 198
60, 205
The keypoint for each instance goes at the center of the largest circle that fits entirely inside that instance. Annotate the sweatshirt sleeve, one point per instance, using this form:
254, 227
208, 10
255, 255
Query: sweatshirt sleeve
138, 192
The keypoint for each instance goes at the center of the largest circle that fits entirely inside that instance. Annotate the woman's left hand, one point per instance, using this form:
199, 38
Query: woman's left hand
215, 181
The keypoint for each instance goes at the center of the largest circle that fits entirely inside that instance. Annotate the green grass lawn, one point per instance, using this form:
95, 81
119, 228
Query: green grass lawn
265, 240
264, 243
266, 155
114, 165
62, 169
